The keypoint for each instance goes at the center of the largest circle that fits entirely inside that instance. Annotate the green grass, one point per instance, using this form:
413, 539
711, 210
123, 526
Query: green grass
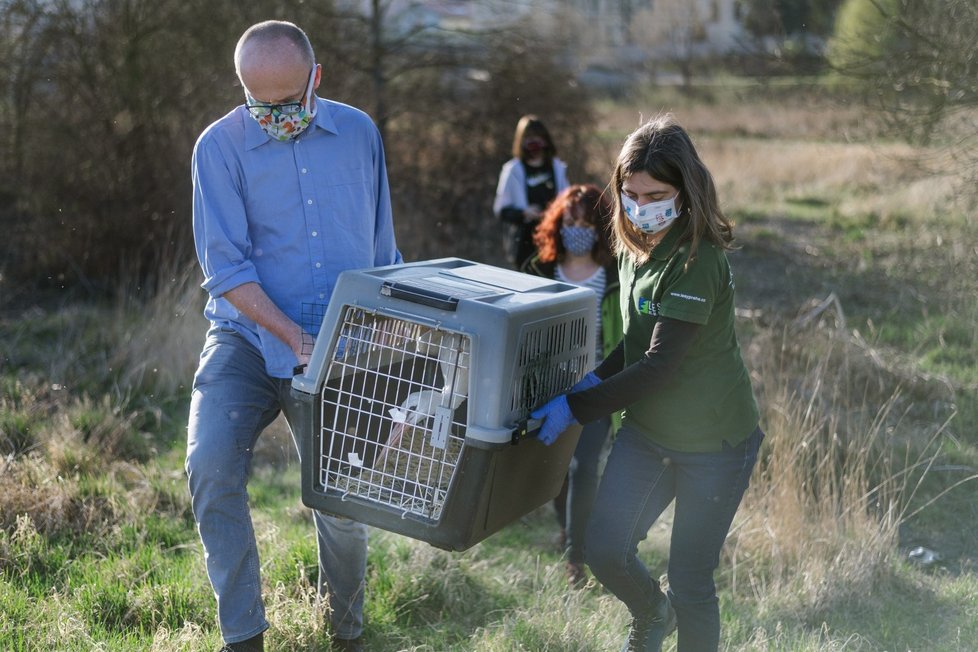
145, 581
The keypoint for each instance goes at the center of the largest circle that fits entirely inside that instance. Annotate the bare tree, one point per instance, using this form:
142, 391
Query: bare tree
398, 42
23, 47
920, 64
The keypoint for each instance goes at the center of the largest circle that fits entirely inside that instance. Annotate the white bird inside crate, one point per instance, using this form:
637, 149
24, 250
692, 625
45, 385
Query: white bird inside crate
451, 350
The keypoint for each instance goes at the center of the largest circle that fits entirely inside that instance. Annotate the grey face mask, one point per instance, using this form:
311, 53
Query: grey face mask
578, 240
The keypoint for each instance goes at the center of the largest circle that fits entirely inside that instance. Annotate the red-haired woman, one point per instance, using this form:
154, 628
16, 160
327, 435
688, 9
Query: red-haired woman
572, 246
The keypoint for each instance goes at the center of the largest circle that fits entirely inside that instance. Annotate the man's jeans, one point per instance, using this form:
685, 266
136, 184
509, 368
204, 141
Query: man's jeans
233, 401
639, 481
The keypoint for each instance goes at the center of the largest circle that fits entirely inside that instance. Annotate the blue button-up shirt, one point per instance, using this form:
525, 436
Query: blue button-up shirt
288, 215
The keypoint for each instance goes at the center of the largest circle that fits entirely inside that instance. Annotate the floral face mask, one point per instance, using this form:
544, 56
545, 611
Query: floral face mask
284, 122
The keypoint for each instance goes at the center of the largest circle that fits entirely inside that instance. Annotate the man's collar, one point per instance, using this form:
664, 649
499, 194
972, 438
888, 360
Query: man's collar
255, 136
324, 119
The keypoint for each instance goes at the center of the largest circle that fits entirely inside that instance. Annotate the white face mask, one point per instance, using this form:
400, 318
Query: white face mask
652, 217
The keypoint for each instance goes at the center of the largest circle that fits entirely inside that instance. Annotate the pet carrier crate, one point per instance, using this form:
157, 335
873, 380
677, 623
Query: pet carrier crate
414, 406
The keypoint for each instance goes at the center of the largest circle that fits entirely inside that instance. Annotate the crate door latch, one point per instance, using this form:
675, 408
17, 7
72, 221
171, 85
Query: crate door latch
441, 427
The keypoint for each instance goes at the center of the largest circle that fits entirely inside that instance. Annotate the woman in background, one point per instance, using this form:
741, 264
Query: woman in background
572, 246
690, 430
528, 182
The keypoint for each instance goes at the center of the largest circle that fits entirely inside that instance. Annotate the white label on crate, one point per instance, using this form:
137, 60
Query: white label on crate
354, 459
441, 427
397, 415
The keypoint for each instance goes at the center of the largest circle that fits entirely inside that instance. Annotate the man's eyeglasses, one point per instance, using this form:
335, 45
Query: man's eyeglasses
263, 110
288, 108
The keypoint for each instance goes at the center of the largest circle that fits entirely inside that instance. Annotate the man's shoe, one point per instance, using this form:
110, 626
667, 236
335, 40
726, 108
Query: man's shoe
576, 575
348, 644
253, 644
649, 630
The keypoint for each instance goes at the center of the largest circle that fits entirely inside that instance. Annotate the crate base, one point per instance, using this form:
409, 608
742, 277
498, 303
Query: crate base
494, 486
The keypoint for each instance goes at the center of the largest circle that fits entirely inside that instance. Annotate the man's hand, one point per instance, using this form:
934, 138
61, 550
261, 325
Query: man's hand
557, 417
251, 299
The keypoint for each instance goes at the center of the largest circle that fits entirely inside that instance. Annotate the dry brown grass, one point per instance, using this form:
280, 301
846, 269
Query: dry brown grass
764, 148
839, 472
158, 350
748, 171
755, 111
57, 437
55, 502
32, 489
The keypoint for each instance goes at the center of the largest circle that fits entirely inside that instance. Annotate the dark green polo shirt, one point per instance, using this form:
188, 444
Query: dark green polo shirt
710, 399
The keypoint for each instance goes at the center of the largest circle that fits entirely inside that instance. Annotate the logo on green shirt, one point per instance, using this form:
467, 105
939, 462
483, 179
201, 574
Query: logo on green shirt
648, 307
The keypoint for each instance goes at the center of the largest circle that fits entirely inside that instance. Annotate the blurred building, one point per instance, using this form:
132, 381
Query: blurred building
606, 42
712, 26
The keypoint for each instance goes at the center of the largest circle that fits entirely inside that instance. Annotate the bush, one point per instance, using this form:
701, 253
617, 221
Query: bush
865, 35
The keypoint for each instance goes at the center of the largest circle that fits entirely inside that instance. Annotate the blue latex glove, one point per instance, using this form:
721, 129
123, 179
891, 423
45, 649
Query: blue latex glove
557, 418
589, 381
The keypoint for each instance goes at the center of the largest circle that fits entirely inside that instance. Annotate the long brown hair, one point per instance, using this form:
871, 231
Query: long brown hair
582, 200
664, 150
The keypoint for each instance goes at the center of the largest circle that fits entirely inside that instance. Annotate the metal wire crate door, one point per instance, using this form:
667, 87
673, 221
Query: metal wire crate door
394, 412
552, 357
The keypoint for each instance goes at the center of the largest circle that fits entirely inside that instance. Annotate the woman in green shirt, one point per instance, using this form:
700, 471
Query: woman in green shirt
690, 429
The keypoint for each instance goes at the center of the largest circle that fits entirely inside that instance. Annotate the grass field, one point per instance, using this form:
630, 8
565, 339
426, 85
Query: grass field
857, 281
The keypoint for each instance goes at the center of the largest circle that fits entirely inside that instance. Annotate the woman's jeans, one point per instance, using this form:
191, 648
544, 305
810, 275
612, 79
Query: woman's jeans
639, 481
233, 400
582, 486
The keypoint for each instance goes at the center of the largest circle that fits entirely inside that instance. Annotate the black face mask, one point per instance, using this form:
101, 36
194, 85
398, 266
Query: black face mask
534, 146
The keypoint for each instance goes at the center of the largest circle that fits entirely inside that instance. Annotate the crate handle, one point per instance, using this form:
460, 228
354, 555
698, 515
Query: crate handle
524, 429
423, 296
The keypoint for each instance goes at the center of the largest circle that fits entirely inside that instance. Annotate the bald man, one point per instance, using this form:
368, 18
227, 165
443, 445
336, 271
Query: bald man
289, 190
